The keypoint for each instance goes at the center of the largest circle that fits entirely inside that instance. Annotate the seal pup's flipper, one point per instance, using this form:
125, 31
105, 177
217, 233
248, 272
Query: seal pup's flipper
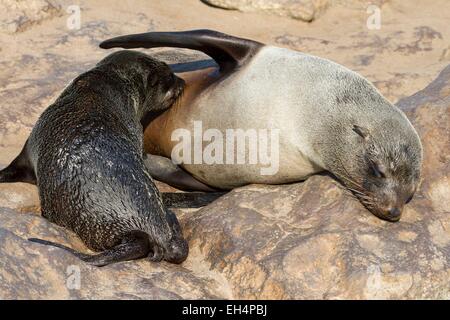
20, 170
134, 246
164, 170
189, 199
229, 52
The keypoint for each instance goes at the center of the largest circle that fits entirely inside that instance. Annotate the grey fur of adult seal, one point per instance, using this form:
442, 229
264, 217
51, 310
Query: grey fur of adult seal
85, 154
329, 117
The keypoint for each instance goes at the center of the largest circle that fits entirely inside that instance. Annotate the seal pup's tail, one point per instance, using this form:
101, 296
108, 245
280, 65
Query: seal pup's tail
229, 52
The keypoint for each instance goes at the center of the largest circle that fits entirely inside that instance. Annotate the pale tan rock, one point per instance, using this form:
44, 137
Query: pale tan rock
18, 196
22, 14
33, 271
305, 10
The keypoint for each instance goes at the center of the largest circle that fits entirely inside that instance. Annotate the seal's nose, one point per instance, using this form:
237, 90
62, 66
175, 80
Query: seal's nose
177, 252
395, 213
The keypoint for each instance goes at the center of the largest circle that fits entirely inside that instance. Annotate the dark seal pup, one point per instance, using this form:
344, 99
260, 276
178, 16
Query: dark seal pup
85, 154
329, 118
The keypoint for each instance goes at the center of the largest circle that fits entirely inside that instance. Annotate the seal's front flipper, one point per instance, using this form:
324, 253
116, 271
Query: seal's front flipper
132, 247
20, 170
163, 169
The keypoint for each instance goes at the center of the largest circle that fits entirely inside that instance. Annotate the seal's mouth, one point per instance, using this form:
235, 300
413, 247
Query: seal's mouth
391, 215
370, 201
386, 216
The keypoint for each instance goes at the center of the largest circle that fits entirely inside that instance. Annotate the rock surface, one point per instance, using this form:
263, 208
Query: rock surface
22, 14
305, 10
305, 240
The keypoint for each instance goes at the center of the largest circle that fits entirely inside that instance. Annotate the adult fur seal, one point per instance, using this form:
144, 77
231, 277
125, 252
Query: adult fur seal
85, 154
328, 117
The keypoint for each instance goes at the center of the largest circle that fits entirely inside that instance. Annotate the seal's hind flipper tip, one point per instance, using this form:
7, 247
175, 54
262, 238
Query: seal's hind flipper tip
118, 42
53, 244
104, 45
45, 242
37, 240
77, 254
112, 43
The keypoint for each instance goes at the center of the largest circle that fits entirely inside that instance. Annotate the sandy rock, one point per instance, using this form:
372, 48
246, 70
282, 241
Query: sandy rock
33, 271
18, 196
305, 10
22, 14
358, 4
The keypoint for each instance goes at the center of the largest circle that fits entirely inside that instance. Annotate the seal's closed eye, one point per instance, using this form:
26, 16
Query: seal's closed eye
409, 199
361, 131
377, 170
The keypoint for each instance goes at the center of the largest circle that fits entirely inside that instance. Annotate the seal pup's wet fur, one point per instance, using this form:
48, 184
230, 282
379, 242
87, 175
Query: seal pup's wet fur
85, 154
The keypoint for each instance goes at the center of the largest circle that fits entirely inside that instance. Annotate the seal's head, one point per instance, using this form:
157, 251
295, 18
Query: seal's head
151, 82
369, 145
385, 170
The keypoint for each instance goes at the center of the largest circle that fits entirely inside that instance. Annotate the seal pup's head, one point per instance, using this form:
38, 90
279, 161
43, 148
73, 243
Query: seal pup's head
152, 84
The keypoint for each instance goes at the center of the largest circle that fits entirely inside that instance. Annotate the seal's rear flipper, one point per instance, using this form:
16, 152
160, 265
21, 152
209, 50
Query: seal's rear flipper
132, 247
189, 199
229, 52
20, 170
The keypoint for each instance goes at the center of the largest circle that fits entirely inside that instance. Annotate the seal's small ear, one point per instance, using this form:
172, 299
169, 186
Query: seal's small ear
362, 132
